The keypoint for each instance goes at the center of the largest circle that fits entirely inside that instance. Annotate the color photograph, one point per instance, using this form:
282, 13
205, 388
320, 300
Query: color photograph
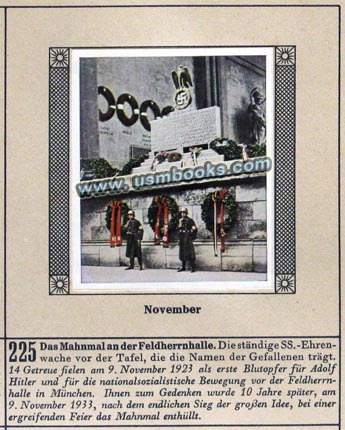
172, 158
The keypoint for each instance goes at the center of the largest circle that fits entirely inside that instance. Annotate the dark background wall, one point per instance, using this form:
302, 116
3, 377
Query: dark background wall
237, 76
144, 79
89, 136
217, 81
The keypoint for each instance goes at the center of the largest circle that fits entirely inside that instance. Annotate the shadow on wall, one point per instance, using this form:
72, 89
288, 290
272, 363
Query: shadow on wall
241, 124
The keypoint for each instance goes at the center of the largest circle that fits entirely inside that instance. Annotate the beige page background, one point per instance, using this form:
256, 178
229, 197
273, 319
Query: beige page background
313, 310
31, 31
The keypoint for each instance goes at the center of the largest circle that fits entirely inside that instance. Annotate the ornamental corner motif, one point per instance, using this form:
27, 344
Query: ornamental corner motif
285, 284
58, 285
58, 57
285, 55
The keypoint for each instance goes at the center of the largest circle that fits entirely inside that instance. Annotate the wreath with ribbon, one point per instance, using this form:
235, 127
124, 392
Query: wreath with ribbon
174, 156
115, 217
163, 218
219, 212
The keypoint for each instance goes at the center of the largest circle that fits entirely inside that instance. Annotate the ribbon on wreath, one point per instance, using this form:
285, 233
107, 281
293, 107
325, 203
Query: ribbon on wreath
115, 224
157, 239
165, 223
215, 245
221, 195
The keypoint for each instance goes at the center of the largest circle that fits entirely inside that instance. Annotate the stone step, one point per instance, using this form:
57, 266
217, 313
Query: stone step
187, 161
204, 153
202, 159
159, 168
147, 162
216, 157
139, 170
209, 152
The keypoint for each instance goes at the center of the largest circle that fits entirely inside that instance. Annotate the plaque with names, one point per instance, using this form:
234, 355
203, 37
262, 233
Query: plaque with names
193, 128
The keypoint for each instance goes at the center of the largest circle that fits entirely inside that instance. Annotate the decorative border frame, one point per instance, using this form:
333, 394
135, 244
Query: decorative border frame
285, 142
284, 200
59, 85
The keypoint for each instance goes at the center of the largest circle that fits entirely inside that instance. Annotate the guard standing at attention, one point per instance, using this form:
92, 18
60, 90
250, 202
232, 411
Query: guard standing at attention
134, 232
187, 234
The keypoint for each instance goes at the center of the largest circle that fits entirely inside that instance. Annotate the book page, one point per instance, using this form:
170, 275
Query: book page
171, 215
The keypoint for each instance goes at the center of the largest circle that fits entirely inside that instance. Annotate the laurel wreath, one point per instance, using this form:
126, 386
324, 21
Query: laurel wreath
173, 214
124, 211
230, 210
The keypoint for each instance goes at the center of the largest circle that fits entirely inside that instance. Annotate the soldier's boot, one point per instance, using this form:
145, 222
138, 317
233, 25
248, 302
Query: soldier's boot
131, 264
183, 268
140, 261
192, 267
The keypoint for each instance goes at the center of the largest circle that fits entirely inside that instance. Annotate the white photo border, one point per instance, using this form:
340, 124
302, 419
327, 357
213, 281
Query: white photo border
65, 116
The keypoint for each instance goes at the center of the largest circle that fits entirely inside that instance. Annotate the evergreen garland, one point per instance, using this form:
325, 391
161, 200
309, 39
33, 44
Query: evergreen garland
230, 211
254, 150
173, 214
232, 151
133, 162
228, 148
100, 167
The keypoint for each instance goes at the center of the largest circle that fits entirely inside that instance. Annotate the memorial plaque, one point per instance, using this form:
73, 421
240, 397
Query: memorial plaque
193, 128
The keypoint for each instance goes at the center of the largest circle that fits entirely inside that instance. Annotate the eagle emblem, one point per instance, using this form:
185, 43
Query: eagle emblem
182, 81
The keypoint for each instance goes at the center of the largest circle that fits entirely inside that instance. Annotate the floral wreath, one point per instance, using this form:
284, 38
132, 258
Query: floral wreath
220, 204
115, 217
124, 210
162, 156
230, 209
163, 218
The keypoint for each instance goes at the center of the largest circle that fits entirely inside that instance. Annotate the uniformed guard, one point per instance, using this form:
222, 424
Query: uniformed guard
187, 234
134, 232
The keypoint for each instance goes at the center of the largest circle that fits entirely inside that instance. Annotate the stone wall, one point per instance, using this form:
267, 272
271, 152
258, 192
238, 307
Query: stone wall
237, 77
145, 79
245, 243
89, 138
226, 84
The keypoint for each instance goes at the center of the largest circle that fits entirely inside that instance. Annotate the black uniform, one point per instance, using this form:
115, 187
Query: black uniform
187, 234
134, 232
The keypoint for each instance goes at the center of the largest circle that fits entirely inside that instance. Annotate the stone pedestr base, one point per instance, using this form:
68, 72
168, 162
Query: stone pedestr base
239, 256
